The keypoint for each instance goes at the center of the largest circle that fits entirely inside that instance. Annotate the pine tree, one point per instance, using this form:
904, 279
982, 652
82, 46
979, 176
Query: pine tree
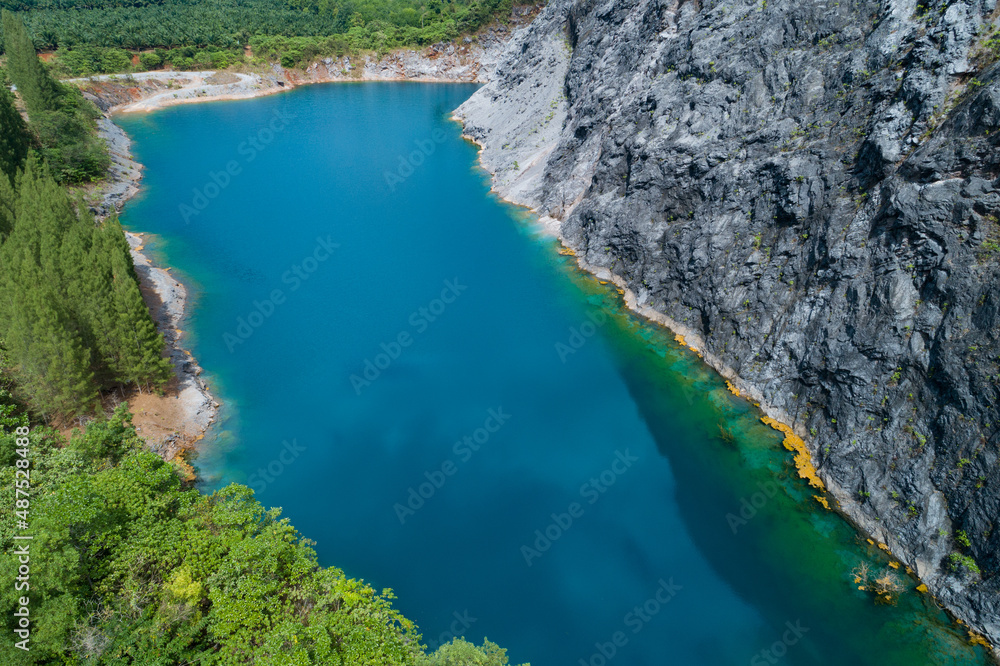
85, 290
14, 137
35, 85
51, 360
53, 364
8, 201
140, 345
44, 215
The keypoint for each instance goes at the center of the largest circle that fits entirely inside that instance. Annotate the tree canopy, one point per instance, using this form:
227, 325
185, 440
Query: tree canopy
135, 24
72, 318
130, 566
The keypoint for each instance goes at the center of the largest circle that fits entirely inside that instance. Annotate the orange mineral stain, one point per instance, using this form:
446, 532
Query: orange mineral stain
803, 461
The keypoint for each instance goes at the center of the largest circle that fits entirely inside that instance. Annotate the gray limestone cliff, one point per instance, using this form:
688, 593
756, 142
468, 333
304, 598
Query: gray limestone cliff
809, 192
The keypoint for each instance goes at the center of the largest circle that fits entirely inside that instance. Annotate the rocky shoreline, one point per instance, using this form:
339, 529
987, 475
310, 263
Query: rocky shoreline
174, 423
467, 61
807, 196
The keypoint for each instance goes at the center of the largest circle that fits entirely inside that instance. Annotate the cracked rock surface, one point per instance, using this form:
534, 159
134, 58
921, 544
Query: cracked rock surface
808, 191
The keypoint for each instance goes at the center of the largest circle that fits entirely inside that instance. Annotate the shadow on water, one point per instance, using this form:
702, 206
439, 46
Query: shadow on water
758, 525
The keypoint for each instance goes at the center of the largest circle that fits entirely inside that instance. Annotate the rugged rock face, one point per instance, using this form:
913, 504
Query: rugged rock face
808, 191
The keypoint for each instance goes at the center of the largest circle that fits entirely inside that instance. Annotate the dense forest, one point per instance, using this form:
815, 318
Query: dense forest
113, 29
129, 566
60, 121
72, 318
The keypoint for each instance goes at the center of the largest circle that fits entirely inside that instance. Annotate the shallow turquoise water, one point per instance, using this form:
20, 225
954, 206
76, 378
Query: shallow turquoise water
516, 456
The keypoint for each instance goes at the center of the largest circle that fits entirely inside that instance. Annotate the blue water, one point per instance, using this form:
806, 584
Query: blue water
380, 327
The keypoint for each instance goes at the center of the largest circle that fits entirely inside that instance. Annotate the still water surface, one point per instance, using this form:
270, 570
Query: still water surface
451, 409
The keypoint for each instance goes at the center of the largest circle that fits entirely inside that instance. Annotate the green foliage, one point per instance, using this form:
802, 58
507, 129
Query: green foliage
62, 120
462, 653
35, 85
150, 60
129, 566
72, 317
230, 24
959, 563
89, 60
168, 23
69, 143
14, 143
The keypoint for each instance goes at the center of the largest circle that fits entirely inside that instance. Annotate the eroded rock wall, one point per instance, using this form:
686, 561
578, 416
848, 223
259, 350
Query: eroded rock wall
808, 190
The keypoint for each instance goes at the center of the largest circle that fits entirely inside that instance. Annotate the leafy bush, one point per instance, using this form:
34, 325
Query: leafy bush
150, 60
959, 563
131, 566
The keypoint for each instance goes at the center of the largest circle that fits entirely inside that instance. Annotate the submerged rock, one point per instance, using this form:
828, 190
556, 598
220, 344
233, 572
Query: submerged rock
808, 192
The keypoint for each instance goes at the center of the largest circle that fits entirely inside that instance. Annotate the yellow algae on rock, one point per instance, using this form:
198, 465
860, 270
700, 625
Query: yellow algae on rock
976, 639
732, 389
822, 501
894, 565
884, 547
679, 339
567, 252
922, 588
183, 467
803, 461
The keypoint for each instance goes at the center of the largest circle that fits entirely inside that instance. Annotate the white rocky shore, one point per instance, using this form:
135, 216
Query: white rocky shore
467, 61
192, 408
171, 426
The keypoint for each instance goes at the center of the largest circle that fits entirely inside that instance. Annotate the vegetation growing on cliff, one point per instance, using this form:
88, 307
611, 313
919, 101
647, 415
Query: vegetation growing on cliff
130, 566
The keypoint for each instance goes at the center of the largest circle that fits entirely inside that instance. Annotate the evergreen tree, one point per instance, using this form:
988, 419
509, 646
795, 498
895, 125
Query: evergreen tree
44, 214
7, 203
14, 137
138, 343
51, 364
41, 332
86, 289
36, 86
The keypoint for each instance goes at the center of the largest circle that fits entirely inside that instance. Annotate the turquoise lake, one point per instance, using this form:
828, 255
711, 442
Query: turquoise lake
451, 409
